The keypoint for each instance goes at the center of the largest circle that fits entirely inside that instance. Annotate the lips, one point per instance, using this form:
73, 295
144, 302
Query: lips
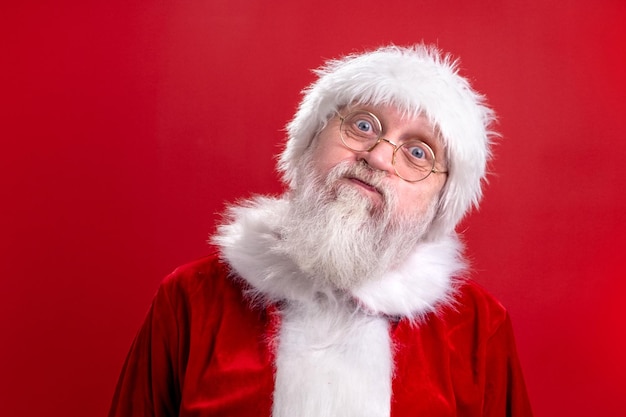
362, 183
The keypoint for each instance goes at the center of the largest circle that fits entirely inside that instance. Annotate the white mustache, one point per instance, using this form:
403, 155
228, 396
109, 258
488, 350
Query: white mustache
362, 172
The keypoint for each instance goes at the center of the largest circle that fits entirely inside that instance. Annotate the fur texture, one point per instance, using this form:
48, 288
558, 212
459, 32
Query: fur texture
334, 356
248, 241
332, 361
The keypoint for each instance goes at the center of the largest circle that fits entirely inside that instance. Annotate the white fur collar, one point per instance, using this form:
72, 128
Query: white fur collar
423, 282
334, 353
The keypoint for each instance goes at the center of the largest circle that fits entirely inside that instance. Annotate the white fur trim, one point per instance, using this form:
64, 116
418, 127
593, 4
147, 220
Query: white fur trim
423, 282
334, 356
332, 362
246, 244
416, 288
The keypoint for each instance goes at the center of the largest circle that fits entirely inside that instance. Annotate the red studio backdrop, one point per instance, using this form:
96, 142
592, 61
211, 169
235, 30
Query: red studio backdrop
126, 126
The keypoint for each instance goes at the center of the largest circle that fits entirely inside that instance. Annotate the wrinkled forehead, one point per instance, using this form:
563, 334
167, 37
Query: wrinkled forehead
405, 109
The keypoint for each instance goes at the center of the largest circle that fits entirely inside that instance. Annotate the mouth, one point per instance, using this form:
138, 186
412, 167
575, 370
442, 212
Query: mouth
364, 184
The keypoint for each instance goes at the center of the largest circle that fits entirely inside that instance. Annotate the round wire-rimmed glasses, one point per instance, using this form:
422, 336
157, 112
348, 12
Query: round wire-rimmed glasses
413, 160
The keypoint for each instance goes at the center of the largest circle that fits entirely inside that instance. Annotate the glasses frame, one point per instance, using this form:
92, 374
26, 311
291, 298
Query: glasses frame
380, 139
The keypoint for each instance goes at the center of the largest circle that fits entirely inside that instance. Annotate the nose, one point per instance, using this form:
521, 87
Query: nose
380, 157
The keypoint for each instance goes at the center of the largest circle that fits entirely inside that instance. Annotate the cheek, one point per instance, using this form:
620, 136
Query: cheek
411, 200
326, 154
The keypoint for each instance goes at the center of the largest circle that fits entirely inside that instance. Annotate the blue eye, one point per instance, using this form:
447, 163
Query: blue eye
363, 125
417, 152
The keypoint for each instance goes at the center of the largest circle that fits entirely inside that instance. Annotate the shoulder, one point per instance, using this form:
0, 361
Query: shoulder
195, 273
207, 279
470, 295
474, 309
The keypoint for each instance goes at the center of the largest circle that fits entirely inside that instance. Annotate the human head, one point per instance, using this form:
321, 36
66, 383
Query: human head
416, 80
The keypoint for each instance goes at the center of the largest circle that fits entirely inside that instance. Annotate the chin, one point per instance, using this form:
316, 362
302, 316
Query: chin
356, 199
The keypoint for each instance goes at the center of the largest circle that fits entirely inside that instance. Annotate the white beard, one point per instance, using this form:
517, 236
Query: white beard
341, 237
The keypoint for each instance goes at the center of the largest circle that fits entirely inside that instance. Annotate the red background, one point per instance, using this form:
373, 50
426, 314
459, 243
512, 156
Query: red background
126, 126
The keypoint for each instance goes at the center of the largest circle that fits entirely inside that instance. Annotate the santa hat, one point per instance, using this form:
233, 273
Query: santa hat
417, 79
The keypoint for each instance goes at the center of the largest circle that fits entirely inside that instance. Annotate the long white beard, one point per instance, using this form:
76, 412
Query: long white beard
337, 235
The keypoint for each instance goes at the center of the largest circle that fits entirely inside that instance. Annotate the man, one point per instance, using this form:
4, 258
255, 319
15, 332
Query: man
346, 296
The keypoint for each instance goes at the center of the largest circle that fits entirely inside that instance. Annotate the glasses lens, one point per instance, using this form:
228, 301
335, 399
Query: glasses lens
360, 130
414, 160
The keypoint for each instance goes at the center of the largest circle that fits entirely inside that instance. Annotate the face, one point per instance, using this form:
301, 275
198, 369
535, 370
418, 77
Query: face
351, 218
411, 199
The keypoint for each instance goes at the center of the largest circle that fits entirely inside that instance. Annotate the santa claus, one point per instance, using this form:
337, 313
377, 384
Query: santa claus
347, 295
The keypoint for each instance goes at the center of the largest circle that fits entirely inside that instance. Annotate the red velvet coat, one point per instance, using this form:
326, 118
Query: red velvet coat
204, 351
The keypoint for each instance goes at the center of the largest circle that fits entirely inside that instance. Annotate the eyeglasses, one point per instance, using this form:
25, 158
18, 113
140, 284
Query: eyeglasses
412, 161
